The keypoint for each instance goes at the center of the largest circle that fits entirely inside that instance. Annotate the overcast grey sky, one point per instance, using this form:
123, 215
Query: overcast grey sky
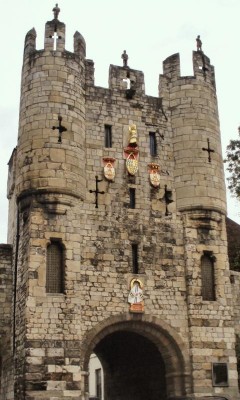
149, 30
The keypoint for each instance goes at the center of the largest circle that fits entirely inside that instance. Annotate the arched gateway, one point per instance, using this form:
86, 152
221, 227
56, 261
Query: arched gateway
142, 357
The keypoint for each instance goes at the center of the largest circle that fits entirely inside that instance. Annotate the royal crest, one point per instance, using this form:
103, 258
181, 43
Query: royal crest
132, 164
154, 174
108, 169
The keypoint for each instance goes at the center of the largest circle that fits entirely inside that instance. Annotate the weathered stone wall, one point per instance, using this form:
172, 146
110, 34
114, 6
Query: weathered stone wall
233, 236
22, 306
6, 348
235, 281
11, 195
55, 333
211, 326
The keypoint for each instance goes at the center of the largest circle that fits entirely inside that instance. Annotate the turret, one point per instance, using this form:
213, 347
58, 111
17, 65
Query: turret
51, 155
192, 101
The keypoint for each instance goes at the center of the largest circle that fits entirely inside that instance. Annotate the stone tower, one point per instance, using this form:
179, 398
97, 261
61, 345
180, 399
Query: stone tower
117, 227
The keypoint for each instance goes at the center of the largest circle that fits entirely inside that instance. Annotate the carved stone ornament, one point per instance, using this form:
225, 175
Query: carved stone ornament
132, 135
135, 297
108, 169
131, 151
154, 174
131, 155
132, 164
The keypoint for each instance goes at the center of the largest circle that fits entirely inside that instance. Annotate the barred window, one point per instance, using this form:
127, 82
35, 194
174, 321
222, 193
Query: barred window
207, 269
55, 268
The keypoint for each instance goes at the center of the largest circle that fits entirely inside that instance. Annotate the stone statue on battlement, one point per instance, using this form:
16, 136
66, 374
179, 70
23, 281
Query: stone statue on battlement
125, 58
56, 11
199, 43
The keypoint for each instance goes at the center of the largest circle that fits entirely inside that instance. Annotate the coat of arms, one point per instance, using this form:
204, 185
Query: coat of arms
154, 174
108, 169
132, 163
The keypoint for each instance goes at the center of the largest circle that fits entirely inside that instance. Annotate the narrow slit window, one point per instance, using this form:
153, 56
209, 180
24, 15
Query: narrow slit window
55, 268
208, 284
132, 195
135, 258
153, 143
108, 135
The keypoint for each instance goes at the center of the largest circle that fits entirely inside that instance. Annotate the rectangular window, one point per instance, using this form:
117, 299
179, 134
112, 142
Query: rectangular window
108, 135
207, 271
220, 374
98, 378
132, 197
55, 268
135, 258
153, 143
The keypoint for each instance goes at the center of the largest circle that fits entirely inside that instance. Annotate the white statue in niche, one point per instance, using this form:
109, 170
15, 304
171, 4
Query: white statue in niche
135, 297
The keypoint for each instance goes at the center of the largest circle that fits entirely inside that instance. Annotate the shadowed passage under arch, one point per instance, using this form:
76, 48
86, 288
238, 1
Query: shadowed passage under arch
133, 367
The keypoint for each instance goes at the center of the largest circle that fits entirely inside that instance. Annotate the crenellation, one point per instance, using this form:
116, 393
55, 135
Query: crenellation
171, 67
57, 29
30, 42
119, 77
79, 45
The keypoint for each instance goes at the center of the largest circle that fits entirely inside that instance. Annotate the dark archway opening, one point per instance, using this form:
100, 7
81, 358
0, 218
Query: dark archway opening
133, 367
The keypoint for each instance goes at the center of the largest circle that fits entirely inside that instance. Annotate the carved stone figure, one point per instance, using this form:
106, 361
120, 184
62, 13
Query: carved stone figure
135, 297
132, 135
199, 43
56, 11
125, 58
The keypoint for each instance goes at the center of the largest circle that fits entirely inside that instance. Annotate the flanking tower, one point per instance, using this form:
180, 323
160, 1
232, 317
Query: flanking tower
201, 202
49, 180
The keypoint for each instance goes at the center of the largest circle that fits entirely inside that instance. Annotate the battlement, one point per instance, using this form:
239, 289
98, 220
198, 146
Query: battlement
54, 40
202, 68
119, 77
126, 78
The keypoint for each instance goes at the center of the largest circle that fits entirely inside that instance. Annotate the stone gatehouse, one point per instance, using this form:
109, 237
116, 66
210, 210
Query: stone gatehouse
117, 234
